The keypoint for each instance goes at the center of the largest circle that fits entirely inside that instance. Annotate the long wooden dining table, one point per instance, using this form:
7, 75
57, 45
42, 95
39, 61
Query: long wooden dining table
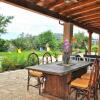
58, 75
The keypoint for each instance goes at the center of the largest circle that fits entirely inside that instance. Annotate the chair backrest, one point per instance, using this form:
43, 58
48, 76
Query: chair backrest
47, 58
90, 57
94, 73
33, 59
77, 58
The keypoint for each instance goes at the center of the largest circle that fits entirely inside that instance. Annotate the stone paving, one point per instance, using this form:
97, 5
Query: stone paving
13, 87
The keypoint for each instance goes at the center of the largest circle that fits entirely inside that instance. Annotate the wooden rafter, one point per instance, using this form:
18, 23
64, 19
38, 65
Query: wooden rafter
91, 22
88, 16
80, 6
91, 19
35, 1
84, 13
45, 3
57, 4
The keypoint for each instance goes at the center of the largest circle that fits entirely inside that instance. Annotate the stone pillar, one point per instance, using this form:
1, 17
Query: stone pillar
68, 31
89, 42
99, 45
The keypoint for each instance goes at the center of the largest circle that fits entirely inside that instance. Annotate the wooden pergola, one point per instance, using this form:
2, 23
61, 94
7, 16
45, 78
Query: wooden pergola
83, 13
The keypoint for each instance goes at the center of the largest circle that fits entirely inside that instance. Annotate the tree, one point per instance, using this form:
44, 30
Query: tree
81, 40
3, 45
4, 20
95, 49
47, 37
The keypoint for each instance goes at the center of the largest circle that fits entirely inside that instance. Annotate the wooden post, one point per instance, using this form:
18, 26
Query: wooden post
89, 42
68, 31
99, 46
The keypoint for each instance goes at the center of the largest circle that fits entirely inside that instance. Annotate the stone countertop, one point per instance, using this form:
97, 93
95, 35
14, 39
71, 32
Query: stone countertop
58, 69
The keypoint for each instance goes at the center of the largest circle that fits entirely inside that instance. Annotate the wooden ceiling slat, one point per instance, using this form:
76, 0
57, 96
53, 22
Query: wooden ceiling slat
82, 6
88, 16
45, 3
35, 1
95, 25
85, 14
89, 19
82, 11
98, 25
91, 22
57, 4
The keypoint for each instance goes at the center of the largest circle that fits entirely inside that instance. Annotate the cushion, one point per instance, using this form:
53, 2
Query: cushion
35, 73
81, 83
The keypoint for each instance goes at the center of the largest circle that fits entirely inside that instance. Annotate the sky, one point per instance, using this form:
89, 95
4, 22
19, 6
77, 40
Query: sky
31, 22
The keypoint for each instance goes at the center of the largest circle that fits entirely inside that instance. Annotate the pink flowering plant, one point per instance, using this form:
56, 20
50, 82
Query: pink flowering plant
66, 51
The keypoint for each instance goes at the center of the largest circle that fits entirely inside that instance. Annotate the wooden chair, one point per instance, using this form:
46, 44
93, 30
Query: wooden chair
33, 59
84, 86
87, 76
47, 58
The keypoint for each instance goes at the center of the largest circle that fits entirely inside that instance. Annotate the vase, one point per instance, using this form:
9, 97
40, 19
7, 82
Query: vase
66, 57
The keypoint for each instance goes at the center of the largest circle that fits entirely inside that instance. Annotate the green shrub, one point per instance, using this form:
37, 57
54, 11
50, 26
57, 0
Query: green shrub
14, 61
95, 49
7, 64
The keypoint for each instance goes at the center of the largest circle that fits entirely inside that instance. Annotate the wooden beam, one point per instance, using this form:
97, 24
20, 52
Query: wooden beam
88, 16
99, 45
34, 7
90, 19
83, 7
89, 42
35, 1
77, 5
91, 22
97, 25
68, 31
57, 4
82, 11
45, 3
92, 25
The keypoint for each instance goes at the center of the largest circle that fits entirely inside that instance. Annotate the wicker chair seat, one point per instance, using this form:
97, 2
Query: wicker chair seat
81, 83
35, 73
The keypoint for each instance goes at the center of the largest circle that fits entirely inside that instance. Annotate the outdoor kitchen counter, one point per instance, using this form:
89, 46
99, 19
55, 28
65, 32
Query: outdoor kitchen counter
57, 77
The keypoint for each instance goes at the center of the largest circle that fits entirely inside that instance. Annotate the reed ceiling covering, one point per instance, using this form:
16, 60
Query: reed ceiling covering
83, 13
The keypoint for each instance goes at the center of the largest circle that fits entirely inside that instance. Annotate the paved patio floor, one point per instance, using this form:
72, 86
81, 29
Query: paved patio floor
13, 87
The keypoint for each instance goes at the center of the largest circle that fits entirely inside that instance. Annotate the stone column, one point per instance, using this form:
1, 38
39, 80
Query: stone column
99, 45
89, 42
